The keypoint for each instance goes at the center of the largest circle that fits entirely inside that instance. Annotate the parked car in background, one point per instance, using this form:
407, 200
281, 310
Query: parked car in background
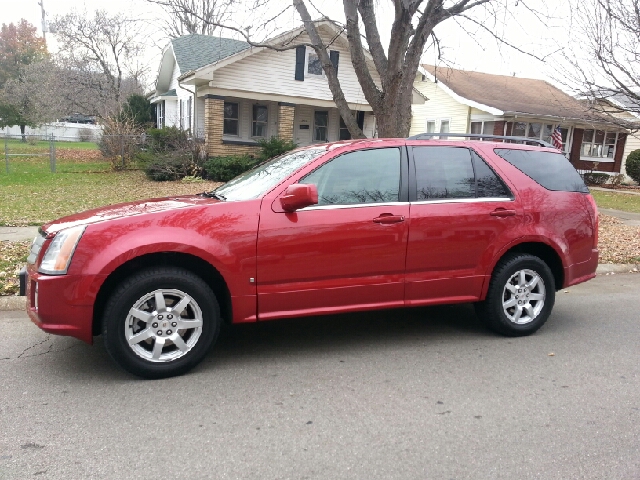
79, 118
339, 227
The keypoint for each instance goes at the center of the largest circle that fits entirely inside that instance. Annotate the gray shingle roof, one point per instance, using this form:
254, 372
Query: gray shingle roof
195, 51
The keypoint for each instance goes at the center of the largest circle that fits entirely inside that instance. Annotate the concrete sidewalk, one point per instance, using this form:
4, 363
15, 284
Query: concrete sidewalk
17, 234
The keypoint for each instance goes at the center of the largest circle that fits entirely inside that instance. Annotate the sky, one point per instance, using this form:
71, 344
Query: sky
465, 46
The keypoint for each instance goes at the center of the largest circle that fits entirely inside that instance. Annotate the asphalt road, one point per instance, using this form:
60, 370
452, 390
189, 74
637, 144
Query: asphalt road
424, 393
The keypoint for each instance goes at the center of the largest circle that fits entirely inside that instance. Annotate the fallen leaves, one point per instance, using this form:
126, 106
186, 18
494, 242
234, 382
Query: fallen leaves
13, 256
617, 242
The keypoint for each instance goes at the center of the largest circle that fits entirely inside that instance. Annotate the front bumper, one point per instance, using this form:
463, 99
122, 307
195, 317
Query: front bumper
59, 304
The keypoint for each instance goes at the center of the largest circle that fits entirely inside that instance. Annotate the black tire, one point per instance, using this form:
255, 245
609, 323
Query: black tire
503, 320
174, 284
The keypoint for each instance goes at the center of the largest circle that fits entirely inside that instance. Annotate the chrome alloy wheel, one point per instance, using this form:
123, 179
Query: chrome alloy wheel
523, 296
163, 325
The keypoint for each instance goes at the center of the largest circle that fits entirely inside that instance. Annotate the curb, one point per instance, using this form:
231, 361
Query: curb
15, 302
12, 303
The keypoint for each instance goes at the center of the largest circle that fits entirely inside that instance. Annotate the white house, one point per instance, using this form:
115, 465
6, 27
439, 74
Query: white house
472, 102
236, 94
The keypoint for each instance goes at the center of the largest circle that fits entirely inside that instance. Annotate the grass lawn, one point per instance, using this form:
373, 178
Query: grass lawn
31, 195
15, 145
617, 201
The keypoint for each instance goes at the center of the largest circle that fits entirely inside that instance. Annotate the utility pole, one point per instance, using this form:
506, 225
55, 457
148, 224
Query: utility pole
44, 21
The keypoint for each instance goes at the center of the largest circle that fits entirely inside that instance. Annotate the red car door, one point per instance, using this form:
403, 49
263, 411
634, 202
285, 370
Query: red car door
346, 253
461, 212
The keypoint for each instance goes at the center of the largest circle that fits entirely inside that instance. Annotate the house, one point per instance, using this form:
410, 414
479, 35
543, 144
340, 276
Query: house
626, 111
472, 102
176, 104
236, 94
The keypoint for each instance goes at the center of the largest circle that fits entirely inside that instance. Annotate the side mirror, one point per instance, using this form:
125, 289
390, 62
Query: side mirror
298, 196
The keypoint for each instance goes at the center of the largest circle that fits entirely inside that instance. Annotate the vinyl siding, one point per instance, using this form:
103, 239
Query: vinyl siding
271, 72
440, 106
633, 143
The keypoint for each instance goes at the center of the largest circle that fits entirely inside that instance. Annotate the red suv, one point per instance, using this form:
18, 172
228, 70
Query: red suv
338, 227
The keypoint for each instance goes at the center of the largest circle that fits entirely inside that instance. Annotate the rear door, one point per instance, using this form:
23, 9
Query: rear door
346, 253
460, 210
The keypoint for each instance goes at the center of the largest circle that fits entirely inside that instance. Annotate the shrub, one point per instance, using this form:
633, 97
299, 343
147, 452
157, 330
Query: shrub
119, 141
85, 135
273, 147
592, 178
616, 179
223, 169
633, 165
172, 166
167, 139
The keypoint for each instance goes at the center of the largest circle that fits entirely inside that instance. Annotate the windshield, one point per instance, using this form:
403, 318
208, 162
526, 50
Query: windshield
259, 180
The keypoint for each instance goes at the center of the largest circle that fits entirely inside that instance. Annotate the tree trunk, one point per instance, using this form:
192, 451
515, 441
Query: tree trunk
24, 137
393, 115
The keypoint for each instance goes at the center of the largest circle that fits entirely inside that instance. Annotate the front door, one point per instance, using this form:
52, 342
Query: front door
346, 253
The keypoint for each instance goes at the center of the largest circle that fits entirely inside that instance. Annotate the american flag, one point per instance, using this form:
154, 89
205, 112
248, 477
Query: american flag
556, 138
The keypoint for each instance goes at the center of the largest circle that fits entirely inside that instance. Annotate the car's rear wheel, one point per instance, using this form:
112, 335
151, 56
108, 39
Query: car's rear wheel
520, 296
161, 322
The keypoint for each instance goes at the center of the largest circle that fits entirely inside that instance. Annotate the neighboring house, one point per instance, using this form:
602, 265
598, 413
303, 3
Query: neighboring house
176, 105
242, 94
472, 102
628, 111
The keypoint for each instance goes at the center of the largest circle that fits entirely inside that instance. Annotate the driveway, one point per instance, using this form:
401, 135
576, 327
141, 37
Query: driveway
423, 393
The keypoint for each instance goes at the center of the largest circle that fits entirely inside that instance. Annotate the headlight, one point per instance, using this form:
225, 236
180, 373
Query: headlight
58, 256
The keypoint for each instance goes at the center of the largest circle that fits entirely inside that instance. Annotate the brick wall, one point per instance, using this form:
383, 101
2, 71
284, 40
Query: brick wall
285, 121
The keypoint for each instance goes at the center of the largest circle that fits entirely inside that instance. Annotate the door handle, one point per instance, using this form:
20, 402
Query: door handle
387, 218
502, 212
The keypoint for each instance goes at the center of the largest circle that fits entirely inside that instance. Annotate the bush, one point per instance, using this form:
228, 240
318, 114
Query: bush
633, 165
85, 135
119, 141
617, 179
273, 147
592, 178
223, 169
171, 166
167, 139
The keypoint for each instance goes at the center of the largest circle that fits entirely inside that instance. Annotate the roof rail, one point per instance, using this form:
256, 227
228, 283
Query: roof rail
426, 136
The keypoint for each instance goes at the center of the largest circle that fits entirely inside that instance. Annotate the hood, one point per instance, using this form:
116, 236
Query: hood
140, 207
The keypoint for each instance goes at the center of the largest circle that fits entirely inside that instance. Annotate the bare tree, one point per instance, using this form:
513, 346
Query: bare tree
101, 55
27, 100
605, 63
396, 66
186, 17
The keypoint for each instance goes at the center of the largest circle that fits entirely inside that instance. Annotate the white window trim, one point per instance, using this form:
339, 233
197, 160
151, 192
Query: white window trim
313, 132
266, 129
309, 52
600, 159
482, 122
438, 122
231, 135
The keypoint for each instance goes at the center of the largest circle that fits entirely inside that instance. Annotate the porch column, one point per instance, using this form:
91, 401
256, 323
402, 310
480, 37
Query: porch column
213, 123
285, 120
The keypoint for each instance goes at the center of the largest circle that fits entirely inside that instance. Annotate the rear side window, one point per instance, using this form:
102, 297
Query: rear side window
551, 170
454, 172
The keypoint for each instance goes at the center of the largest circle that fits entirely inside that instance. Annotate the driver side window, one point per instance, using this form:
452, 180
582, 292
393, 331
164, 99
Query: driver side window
366, 176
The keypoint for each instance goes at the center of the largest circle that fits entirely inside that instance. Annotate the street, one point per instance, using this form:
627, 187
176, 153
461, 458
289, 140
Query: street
420, 393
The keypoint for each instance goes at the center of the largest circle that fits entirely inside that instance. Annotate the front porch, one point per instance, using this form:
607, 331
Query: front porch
233, 125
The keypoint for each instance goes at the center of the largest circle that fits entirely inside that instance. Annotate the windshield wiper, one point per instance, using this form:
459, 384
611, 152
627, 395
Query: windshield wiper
214, 195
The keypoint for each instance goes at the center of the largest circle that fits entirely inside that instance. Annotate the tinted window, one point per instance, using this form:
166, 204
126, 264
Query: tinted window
488, 183
366, 176
443, 172
551, 170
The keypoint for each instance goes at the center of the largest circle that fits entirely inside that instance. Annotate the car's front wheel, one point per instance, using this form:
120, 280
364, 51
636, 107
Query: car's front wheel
161, 322
520, 296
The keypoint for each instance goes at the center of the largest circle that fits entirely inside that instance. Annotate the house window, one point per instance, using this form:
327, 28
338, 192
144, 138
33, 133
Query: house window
160, 109
260, 115
537, 130
230, 118
598, 144
480, 128
344, 131
320, 126
314, 66
431, 126
444, 128
188, 122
